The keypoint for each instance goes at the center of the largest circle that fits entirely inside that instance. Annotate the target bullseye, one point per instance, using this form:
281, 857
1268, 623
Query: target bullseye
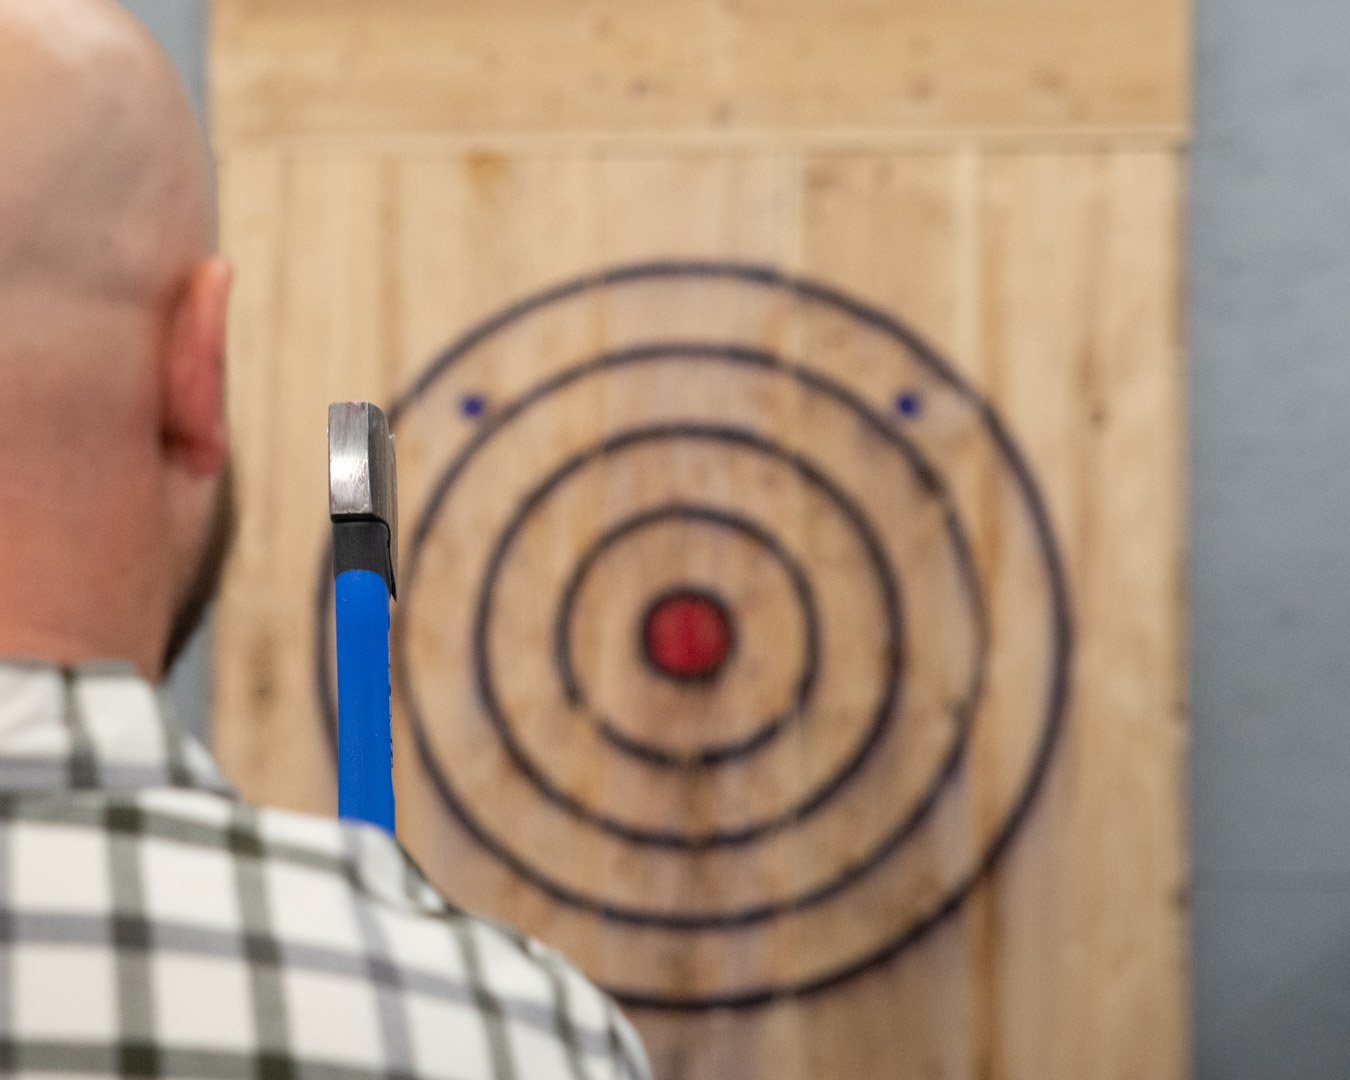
692, 528
688, 636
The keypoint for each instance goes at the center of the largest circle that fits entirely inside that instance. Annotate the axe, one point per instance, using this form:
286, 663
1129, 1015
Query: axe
363, 506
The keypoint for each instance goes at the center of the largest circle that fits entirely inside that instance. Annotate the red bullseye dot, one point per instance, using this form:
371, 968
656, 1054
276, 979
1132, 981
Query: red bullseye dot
688, 636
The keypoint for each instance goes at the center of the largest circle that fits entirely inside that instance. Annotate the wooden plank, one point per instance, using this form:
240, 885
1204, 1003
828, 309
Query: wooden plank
311, 327
1132, 678
400, 67
901, 232
1081, 285
252, 209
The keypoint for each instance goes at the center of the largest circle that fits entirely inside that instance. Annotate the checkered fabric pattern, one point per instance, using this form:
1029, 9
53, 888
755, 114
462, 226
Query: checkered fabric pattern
151, 924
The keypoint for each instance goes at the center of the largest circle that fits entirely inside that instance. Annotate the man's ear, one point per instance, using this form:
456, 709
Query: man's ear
193, 419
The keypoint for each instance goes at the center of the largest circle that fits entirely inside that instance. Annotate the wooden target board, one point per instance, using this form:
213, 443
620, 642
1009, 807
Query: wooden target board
789, 624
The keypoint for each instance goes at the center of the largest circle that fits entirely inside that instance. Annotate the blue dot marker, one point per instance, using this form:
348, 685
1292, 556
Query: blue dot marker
909, 405
474, 405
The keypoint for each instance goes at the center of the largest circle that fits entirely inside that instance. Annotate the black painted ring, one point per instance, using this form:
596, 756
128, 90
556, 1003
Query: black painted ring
634, 916
887, 581
715, 754
928, 479
755, 359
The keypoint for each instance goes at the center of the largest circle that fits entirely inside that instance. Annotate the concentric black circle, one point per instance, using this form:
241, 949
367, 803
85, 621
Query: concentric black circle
1025, 490
714, 754
886, 581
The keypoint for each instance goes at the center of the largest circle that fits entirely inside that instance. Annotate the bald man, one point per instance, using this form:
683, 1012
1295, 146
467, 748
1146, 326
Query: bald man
150, 923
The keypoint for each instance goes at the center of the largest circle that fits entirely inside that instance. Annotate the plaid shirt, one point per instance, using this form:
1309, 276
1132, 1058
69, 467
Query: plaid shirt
151, 924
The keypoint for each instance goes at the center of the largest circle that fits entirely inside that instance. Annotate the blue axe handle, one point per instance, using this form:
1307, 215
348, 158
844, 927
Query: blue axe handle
363, 507
365, 753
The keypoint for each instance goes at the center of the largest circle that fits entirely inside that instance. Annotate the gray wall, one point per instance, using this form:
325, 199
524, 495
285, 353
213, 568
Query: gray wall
1270, 340
181, 26
1270, 343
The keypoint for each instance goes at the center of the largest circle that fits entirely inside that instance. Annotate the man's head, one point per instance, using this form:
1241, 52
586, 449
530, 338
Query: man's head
113, 462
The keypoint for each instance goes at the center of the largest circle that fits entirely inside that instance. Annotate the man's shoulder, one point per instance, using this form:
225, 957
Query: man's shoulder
355, 930
536, 1004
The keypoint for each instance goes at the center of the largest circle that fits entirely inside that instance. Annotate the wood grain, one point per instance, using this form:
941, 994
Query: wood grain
399, 67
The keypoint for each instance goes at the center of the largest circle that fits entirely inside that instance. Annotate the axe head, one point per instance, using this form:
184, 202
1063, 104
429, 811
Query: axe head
363, 488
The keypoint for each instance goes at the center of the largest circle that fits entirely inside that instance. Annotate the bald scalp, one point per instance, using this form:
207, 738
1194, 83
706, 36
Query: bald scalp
112, 341
104, 182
